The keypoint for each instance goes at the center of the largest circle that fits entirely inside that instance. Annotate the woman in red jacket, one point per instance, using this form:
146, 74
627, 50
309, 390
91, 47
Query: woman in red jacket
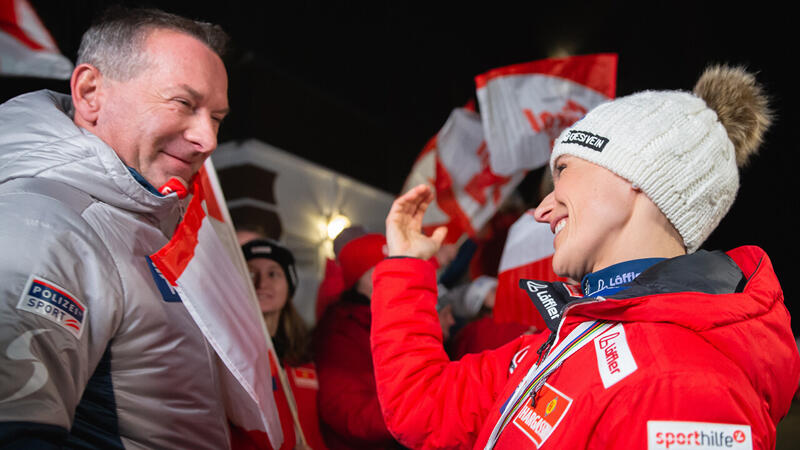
274, 277
667, 346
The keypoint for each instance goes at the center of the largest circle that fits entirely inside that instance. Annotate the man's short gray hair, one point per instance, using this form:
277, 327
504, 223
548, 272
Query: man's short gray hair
114, 44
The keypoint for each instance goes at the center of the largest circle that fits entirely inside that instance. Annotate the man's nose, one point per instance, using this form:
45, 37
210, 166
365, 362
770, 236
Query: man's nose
203, 133
545, 208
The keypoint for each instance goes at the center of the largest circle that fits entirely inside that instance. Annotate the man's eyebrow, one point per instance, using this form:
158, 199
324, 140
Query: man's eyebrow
191, 91
196, 95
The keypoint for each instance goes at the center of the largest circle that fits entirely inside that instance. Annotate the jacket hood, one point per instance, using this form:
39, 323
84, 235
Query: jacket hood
39, 139
733, 301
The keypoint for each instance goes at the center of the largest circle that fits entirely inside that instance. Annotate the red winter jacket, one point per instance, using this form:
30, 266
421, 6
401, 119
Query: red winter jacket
304, 385
701, 353
486, 334
348, 401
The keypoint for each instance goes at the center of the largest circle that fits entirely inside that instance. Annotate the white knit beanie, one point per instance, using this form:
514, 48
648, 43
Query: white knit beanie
675, 148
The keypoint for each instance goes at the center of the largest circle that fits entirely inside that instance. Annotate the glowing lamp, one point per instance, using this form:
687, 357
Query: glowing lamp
336, 224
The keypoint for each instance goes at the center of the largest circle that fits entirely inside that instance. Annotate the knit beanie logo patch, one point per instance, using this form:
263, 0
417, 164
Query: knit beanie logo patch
586, 139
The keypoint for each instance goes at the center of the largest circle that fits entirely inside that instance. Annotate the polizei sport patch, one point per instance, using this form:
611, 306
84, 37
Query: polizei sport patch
586, 139
53, 302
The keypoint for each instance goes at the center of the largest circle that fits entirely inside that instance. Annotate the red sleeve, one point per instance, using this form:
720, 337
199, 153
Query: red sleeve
348, 402
427, 400
683, 409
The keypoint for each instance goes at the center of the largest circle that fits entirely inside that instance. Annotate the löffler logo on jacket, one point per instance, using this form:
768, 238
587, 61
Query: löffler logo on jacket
51, 301
614, 358
547, 300
663, 434
539, 421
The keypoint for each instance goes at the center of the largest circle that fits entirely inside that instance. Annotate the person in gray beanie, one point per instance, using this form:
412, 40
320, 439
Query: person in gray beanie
662, 345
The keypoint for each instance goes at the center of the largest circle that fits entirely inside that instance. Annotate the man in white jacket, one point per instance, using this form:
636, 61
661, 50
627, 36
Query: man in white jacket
96, 349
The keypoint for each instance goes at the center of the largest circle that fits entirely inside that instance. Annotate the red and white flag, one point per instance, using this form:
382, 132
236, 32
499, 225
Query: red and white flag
26, 47
475, 162
424, 171
455, 164
526, 106
205, 265
528, 253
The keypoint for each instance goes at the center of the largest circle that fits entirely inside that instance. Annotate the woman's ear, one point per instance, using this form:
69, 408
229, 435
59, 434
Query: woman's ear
86, 85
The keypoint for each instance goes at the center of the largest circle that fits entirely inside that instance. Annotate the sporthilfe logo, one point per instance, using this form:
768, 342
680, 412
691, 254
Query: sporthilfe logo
697, 435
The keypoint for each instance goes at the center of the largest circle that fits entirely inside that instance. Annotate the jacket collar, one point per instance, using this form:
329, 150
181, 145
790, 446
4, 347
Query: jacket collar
700, 291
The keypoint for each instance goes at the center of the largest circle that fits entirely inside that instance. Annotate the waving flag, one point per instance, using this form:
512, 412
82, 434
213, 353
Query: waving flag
476, 161
204, 264
526, 106
444, 210
528, 253
26, 48
455, 164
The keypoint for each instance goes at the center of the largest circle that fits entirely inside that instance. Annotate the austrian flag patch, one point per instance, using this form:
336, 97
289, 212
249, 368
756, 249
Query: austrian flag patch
53, 302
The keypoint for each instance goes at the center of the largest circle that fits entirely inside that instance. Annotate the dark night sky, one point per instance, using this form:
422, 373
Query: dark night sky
359, 87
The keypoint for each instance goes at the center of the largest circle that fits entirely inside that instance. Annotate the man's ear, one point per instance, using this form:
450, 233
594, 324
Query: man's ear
86, 85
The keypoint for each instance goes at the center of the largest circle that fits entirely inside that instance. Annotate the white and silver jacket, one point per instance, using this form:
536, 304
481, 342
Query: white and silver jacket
95, 350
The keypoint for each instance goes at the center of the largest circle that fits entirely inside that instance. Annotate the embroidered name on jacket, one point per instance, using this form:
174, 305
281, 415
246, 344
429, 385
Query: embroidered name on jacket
586, 139
614, 358
614, 281
51, 301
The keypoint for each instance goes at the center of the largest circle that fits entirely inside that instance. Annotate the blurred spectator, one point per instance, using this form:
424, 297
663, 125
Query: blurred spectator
491, 240
476, 302
348, 402
332, 285
249, 233
274, 276
446, 320
457, 269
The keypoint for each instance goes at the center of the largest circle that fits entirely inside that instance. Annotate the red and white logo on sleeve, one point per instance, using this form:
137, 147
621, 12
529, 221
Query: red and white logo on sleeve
614, 358
663, 434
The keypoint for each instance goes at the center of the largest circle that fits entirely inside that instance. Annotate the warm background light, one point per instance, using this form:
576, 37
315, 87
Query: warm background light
336, 224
